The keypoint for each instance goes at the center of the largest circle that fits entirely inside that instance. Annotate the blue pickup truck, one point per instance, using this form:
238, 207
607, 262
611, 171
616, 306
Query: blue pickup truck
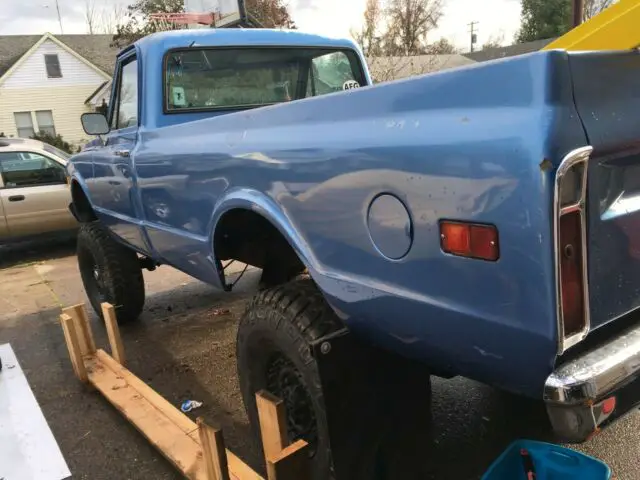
482, 221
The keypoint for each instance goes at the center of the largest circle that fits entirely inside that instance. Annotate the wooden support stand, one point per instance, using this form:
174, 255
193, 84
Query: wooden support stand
197, 450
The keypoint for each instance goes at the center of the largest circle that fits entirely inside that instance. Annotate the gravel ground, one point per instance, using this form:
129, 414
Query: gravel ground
185, 349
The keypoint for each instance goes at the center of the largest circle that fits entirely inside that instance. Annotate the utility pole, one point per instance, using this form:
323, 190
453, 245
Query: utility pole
59, 17
578, 12
474, 34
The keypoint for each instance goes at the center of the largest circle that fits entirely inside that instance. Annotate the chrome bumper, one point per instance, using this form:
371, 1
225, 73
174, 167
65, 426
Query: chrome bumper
575, 393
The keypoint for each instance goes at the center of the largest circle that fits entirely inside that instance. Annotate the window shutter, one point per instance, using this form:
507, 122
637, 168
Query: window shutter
52, 62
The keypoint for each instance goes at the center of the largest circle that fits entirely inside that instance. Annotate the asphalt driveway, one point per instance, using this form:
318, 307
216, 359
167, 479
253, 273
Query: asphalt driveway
184, 347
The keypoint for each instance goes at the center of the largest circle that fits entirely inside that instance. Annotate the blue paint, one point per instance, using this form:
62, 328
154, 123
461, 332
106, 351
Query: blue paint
463, 144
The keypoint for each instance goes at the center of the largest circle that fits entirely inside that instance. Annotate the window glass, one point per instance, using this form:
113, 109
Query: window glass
52, 63
24, 124
28, 169
251, 77
44, 118
56, 151
126, 113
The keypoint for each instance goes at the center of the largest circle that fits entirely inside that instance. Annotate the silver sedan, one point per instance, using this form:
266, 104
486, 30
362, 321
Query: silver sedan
34, 190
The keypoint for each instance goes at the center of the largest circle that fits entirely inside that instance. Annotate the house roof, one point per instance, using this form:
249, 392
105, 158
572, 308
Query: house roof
395, 68
93, 48
509, 51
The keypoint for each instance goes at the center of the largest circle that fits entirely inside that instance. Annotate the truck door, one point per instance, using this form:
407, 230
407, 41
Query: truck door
114, 179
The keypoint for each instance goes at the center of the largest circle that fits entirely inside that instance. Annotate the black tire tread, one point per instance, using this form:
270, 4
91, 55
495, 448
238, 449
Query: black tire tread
122, 271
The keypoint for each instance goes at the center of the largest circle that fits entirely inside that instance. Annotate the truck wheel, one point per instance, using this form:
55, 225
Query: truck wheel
110, 273
273, 354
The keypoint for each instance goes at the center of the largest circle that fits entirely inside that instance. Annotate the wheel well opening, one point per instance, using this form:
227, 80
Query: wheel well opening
83, 210
250, 238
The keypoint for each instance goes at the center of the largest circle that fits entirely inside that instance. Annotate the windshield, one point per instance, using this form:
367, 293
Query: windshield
56, 151
206, 79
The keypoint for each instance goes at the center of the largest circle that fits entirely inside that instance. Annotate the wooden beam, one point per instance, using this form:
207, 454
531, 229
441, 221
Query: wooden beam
213, 451
291, 464
73, 345
178, 438
83, 328
113, 332
273, 423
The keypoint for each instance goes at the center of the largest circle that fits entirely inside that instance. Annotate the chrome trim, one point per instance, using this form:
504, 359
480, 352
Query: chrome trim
596, 373
579, 155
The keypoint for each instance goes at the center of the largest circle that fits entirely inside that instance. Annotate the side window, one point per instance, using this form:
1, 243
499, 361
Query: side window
28, 169
331, 73
125, 112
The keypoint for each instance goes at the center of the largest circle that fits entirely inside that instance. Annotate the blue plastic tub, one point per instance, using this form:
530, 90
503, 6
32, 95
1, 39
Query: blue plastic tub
551, 462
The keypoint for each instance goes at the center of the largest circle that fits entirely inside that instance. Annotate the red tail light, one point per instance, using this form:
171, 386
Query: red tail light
571, 273
470, 240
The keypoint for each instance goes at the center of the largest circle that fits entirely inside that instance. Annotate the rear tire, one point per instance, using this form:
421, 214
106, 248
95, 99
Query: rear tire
273, 354
110, 273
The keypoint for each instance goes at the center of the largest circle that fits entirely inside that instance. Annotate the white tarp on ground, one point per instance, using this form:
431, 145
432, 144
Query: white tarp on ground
28, 450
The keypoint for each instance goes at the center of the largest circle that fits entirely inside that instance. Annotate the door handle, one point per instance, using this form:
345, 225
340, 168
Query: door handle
16, 198
122, 153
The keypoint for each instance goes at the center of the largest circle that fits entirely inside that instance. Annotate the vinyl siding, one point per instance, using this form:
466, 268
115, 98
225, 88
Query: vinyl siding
32, 72
66, 103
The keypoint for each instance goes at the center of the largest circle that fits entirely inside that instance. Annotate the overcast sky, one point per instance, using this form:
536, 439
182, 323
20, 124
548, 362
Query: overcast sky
331, 17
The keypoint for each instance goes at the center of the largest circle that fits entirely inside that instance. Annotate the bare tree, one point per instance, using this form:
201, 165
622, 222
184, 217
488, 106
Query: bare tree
369, 37
494, 41
90, 15
594, 7
441, 47
103, 20
409, 23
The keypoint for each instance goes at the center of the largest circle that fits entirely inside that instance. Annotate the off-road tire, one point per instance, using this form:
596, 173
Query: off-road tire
120, 276
280, 323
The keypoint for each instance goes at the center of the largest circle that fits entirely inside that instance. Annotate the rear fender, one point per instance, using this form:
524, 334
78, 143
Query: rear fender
265, 206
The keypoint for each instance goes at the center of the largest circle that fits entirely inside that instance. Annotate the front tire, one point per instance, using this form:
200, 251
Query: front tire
273, 354
110, 273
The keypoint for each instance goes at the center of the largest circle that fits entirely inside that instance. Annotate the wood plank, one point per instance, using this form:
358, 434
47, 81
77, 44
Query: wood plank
291, 464
273, 423
214, 453
71, 339
113, 332
83, 328
237, 468
177, 447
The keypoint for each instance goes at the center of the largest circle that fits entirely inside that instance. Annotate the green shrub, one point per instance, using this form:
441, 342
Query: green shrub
56, 141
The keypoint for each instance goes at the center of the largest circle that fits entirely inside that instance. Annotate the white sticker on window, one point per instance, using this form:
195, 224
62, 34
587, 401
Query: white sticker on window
349, 84
179, 99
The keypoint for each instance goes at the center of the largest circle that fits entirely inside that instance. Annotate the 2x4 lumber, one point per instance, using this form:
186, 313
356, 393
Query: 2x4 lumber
73, 345
273, 423
178, 438
214, 453
113, 332
83, 329
291, 464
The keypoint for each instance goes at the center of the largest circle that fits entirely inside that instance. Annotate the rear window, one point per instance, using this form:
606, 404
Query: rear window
209, 79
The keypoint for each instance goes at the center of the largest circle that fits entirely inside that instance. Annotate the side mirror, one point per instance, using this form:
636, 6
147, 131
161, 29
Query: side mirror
94, 124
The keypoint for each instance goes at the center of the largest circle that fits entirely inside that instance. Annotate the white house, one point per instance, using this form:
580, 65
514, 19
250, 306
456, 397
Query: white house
47, 82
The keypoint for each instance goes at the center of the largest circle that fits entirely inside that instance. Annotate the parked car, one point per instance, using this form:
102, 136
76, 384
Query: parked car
34, 191
481, 221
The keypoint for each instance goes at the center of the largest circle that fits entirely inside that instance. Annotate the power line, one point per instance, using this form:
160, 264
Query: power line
474, 34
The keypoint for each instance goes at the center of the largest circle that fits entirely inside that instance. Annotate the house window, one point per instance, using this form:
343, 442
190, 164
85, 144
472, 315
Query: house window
44, 118
52, 62
24, 124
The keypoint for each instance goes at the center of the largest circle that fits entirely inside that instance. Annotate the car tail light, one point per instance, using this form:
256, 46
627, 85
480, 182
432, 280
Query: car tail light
470, 240
571, 258
571, 278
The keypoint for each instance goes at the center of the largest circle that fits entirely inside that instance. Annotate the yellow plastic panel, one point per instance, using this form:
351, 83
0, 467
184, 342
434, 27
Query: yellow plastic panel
616, 28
